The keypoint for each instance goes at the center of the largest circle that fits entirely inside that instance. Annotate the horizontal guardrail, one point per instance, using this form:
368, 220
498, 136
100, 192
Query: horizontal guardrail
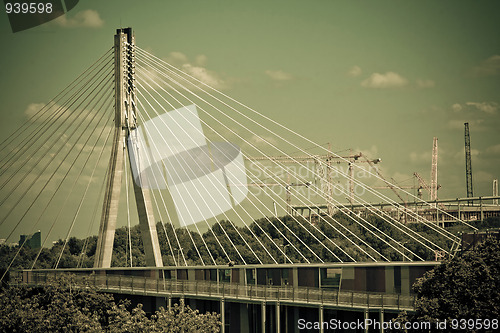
208, 289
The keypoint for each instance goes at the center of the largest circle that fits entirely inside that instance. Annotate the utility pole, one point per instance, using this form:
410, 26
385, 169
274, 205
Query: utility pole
468, 164
125, 116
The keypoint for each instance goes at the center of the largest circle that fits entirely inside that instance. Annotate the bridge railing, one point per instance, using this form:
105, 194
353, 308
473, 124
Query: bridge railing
183, 288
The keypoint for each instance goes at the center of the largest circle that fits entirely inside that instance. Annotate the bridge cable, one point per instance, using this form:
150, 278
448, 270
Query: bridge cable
265, 232
49, 136
127, 189
94, 215
228, 219
35, 135
293, 132
269, 119
40, 113
50, 178
222, 228
205, 111
74, 183
36, 163
42, 171
187, 230
109, 120
215, 131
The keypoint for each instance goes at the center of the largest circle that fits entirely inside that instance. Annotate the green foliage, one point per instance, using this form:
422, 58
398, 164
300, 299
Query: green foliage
466, 286
56, 307
182, 318
265, 237
179, 318
65, 305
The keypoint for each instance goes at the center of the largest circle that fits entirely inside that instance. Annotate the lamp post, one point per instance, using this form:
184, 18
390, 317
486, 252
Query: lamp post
284, 252
402, 244
178, 256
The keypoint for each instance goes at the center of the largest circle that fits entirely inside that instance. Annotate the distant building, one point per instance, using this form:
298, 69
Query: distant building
32, 241
470, 240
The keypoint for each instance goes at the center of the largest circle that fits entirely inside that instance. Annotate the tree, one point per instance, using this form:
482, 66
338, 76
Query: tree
182, 318
466, 286
68, 304
55, 307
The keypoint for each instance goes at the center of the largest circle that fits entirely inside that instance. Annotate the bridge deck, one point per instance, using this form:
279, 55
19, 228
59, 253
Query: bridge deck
303, 296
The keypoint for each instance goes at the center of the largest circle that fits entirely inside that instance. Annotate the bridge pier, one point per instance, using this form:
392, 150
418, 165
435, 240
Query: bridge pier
381, 319
366, 317
278, 323
222, 316
124, 115
321, 318
263, 316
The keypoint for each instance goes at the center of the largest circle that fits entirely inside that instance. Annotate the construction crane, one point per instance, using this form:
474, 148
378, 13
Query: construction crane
287, 186
389, 185
434, 173
324, 170
468, 164
422, 184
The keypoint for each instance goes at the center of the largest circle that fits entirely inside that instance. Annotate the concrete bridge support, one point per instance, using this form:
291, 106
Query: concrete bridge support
124, 114
263, 317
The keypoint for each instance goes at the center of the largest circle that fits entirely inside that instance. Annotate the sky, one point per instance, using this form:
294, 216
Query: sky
380, 77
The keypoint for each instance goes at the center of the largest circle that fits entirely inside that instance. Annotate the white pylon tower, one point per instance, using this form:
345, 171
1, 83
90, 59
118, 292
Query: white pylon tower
125, 115
434, 174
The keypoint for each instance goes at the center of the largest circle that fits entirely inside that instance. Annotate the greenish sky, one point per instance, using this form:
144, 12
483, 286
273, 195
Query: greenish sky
382, 77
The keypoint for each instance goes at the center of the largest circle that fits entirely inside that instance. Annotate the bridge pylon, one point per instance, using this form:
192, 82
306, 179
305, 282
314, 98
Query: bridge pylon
125, 115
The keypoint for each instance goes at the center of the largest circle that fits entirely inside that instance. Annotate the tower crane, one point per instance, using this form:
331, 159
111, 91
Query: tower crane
468, 164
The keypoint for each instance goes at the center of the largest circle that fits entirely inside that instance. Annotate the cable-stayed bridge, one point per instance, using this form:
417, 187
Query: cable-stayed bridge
134, 140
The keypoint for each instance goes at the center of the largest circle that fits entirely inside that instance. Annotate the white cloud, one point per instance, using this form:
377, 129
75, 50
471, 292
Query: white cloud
474, 152
488, 67
197, 69
425, 83
201, 60
262, 140
387, 80
488, 107
355, 71
40, 112
493, 149
176, 58
459, 124
87, 18
204, 75
370, 153
32, 109
279, 75
482, 176
456, 107
418, 157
